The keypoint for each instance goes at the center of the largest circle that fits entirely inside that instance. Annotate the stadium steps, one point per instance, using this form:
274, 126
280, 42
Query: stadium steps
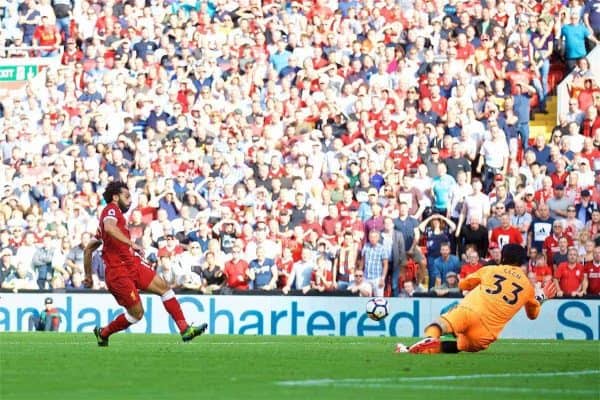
542, 124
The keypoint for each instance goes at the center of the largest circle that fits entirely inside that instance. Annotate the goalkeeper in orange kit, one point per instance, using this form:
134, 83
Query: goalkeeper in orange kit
496, 294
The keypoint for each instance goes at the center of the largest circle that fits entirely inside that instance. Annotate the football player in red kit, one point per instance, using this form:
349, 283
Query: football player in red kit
126, 270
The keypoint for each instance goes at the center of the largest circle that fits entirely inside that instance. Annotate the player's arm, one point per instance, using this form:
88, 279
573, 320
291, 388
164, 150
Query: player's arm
470, 282
87, 260
110, 227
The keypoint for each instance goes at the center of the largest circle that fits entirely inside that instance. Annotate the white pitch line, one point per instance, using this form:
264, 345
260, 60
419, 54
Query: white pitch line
399, 380
495, 389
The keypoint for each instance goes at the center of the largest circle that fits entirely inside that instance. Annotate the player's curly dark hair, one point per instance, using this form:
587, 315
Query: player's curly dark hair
514, 254
113, 188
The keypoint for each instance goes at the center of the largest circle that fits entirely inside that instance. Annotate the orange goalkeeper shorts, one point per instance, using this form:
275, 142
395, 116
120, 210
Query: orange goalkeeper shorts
472, 335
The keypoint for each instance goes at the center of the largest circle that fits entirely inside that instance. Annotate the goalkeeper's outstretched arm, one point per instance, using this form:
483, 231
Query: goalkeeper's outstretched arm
533, 307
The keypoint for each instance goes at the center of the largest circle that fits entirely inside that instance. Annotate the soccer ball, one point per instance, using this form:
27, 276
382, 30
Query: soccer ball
377, 308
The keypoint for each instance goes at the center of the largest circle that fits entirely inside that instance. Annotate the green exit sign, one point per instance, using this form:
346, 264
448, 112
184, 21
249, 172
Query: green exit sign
11, 73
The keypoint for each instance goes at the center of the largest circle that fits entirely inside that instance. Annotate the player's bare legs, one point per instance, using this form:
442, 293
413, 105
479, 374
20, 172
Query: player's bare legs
136, 312
160, 287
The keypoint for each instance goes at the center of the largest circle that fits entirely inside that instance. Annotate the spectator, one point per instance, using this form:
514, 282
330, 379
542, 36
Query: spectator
301, 273
345, 261
474, 234
47, 320
236, 269
477, 204
493, 157
443, 185
285, 266
409, 289
442, 265
521, 219
591, 18
42, 263
558, 203
46, 35
322, 276
495, 255
449, 286
472, 264
542, 270
20, 278
585, 207
409, 227
591, 285
543, 47
540, 228
212, 277
570, 276
559, 254
506, 233
270, 133
437, 230
394, 243
360, 285
262, 271
374, 262
574, 34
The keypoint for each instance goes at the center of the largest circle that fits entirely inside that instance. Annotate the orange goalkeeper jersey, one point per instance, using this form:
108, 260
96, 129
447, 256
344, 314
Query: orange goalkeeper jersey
497, 293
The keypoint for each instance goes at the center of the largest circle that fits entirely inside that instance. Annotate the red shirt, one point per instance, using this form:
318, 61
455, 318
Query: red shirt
588, 127
462, 53
46, 35
284, 266
593, 273
468, 269
236, 274
559, 179
439, 106
510, 235
344, 209
165, 251
313, 226
542, 271
327, 282
116, 254
541, 196
569, 279
383, 131
329, 225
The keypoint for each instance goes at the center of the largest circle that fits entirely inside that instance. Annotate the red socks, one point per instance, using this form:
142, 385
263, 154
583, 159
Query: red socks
123, 321
174, 309
118, 324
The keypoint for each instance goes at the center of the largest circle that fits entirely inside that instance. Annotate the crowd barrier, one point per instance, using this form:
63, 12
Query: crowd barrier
294, 315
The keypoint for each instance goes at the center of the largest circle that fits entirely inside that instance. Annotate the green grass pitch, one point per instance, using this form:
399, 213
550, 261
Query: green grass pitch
71, 366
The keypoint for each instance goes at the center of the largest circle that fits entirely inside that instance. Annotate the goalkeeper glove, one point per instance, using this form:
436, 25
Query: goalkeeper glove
548, 291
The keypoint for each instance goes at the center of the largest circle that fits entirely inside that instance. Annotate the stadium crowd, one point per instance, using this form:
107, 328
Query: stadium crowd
305, 146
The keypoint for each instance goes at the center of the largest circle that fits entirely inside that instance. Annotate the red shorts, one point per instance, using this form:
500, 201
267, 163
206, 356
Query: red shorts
123, 282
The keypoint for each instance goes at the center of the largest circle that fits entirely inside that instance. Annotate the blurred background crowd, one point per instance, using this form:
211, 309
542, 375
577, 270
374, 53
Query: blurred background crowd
369, 147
